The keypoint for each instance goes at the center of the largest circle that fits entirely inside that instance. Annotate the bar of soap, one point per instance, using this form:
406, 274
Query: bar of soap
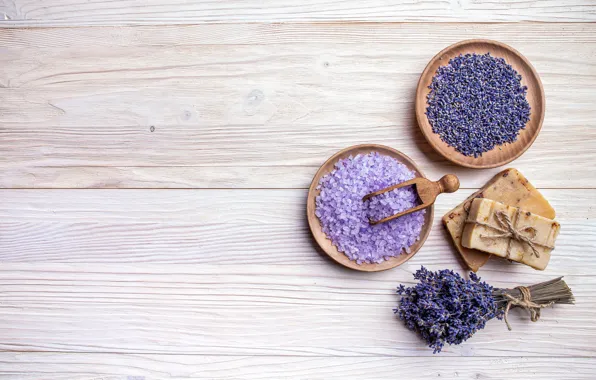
482, 223
509, 187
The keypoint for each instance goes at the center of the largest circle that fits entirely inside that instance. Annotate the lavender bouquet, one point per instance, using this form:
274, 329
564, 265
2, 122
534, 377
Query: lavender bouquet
444, 308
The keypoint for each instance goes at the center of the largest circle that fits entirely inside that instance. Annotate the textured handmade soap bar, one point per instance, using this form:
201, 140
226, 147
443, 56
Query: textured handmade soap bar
510, 232
509, 187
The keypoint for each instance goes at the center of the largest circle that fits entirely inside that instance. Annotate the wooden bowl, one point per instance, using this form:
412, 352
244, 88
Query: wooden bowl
315, 224
500, 155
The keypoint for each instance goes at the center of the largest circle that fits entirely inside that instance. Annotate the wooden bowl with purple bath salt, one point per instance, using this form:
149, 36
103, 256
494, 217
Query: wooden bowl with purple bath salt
480, 103
352, 203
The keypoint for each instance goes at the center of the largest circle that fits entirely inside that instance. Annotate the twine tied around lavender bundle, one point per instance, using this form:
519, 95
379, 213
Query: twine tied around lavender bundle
508, 230
534, 298
525, 302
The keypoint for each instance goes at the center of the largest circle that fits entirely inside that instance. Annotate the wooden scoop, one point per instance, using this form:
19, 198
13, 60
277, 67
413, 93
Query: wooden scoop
427, 192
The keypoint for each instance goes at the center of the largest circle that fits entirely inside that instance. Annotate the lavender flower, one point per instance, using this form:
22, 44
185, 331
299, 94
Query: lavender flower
477, 102
446, 308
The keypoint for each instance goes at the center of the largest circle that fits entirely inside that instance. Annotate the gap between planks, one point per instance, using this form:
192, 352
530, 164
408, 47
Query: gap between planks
233, 188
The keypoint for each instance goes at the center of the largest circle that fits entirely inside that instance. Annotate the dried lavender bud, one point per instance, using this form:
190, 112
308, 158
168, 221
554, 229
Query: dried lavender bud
444, 308
477, 102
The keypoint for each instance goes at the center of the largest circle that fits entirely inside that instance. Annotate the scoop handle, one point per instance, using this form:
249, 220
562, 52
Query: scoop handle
448, 184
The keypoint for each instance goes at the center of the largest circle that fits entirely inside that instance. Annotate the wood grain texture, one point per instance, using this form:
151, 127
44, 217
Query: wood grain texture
129, 12
68, 366
231, 103
281, 310
195, 227
136, 280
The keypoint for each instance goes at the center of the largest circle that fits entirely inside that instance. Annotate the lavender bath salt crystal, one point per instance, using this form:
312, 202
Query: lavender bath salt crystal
476, 103
345, 217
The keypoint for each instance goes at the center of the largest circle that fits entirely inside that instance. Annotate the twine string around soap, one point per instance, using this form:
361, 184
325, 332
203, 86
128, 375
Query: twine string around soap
508, 230
525, 302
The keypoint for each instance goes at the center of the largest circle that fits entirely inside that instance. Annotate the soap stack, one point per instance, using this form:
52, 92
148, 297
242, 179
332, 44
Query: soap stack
508, 217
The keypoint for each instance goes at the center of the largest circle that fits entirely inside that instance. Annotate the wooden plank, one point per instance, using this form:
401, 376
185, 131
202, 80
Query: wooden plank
222, 306
180, 242
295, 310
247, 105
130, 12
59, 39
63, 366
195, 227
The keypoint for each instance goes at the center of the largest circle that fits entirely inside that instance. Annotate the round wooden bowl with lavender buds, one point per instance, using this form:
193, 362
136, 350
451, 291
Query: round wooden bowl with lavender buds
315, 224
501, 154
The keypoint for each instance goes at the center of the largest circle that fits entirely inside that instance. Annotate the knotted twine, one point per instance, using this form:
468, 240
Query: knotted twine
524, 302
508, 230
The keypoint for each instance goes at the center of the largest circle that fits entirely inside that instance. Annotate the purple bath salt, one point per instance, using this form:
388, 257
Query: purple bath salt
345, 217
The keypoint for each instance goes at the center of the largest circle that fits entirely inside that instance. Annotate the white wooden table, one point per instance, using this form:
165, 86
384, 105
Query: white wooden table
154, 160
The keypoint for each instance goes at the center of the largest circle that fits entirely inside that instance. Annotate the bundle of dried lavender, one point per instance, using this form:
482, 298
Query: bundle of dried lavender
444, 308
